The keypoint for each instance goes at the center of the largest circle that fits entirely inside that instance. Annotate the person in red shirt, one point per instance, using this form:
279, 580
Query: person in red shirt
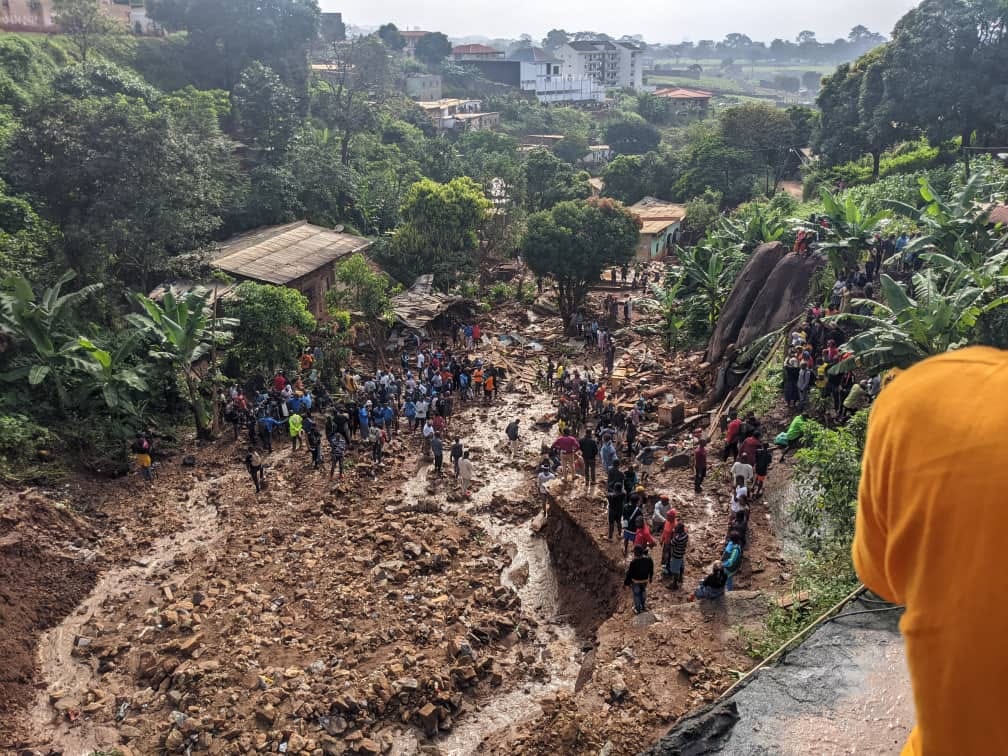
752, 444
476, 333
567, 445
731, 438
279, 382
644, 537
699, 464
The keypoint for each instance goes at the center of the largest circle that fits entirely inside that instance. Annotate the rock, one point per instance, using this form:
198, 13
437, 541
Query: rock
617, 688
644, 619
691, 667
334, 725
266, 713
296, 743
407, 684
66, 703
369, 747
413, 549
129, 732
428, 715
459, 646
607, 749
677, 461
173, 740
519, 575
189, 460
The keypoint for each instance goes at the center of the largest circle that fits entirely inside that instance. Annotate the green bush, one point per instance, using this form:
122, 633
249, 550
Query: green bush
24, 444
501, 292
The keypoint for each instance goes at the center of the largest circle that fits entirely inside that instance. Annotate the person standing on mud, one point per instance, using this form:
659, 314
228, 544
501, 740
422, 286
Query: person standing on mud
254, 465
456, 454
437, 449
589, 453
616, 497
294, 429
567, 445
465, 473
512, 437
639, 574
699, 465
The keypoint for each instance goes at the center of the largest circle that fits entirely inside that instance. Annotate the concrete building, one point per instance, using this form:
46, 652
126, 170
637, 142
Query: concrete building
37, 15
297, 255
424, 87
613, 65
542, 72
459, 115
476, 52
411, 38
661, 227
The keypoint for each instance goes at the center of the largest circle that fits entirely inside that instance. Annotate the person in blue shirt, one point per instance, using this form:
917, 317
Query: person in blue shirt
731, 559
364, 416
609, 454
266, 426
388, 415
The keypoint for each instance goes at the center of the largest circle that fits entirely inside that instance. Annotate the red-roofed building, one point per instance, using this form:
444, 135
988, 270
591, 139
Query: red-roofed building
686, 100
476, 52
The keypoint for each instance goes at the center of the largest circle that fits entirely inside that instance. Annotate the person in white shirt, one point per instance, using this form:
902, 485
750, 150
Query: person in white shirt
544, 477
465, 473
744, 471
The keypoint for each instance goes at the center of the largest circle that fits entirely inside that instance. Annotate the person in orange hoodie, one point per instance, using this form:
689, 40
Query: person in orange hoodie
930, 535
643, 537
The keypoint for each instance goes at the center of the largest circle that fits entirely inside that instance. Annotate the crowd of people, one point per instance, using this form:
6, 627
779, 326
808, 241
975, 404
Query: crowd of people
363, 413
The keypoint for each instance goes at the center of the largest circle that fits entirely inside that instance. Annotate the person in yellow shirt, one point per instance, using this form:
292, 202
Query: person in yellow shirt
930, 534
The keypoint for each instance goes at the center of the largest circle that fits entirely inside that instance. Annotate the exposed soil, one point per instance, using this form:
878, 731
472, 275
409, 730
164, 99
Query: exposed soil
380, 613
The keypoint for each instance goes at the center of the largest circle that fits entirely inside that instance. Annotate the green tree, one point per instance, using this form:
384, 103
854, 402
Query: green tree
275, 325
365, 293
266, 109
571, 148
549, 180
41, 324
433, 48
357, 80
86, 25
653, 109
632, 136
225, 36
709, 276
944, 60
184, 332
573, 242
765, 132
702, 212
625, 180
439, 231
130, 205
390, 37
556, 38
26, 240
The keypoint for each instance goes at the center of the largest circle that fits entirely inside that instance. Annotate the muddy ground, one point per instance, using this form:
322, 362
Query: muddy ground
381, 613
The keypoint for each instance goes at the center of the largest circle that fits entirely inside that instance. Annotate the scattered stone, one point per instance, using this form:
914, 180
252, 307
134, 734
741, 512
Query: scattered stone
617, 688
428, 715
644, 619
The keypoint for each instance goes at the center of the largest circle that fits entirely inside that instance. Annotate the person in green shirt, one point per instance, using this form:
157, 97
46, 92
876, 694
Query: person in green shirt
294, 425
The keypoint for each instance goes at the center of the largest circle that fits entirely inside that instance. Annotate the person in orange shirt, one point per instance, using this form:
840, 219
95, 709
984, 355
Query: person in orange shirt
929, 534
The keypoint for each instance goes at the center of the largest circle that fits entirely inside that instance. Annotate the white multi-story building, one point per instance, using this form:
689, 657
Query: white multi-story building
542, 72
614, 65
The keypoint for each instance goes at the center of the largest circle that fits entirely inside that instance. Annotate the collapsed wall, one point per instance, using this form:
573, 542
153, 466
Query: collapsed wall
589, 580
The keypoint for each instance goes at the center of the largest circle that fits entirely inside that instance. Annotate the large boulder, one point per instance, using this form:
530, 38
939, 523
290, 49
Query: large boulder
747, 287
783, 297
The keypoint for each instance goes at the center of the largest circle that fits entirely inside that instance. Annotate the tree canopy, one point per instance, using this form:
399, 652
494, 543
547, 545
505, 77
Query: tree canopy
574, 241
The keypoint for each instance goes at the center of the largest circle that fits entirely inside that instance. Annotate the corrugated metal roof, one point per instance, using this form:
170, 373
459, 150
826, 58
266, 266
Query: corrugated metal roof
657, 226
475, 50
534, 55
281, 254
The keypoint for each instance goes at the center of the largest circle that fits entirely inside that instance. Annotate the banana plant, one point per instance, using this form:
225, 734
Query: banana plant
957, 226
184, 331
37, 322
903, 330
108, 375
852, 231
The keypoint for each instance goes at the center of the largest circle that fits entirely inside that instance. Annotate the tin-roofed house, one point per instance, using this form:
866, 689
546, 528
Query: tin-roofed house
298, 255
661, 227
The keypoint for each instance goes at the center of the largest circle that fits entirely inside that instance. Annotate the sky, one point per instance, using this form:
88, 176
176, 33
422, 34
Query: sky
657, 20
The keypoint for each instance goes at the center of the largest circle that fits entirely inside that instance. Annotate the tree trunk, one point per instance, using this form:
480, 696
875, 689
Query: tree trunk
202, 431
876, 164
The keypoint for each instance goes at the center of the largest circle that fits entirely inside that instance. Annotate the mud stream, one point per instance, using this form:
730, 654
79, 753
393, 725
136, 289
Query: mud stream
68, 677
559, 649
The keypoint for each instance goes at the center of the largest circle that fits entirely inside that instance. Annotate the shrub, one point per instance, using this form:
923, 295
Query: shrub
23, 445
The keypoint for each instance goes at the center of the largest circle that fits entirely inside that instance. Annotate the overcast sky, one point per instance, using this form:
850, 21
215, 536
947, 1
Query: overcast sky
657, 20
